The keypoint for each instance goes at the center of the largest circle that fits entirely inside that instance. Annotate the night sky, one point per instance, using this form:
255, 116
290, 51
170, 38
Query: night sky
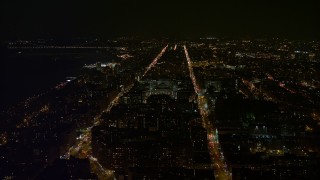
158, 18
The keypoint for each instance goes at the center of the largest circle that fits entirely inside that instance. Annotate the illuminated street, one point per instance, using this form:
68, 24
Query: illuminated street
219, 164
82, 149
154, 62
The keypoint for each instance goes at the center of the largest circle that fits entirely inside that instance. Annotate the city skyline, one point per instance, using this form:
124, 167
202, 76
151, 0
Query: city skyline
161, 109
137, 89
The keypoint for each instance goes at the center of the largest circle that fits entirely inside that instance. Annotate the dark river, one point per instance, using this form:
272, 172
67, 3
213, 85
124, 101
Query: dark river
25, 73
